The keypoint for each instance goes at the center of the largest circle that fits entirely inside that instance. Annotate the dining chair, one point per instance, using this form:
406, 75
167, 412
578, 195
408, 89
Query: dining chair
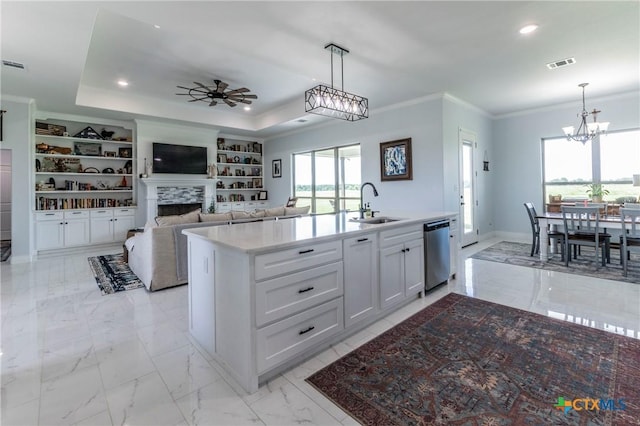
582, 228
554, 236
630, 235
626, 205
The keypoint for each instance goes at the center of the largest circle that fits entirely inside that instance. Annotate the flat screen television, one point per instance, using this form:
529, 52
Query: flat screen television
179, 159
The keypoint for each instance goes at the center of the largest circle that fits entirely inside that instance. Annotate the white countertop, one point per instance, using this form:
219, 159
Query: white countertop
254, 237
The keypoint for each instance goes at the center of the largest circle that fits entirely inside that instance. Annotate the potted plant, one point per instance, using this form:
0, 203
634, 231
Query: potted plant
596, 191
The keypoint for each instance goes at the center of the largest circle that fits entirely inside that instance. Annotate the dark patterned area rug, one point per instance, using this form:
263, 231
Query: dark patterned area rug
519, 254
465, 361
113, 274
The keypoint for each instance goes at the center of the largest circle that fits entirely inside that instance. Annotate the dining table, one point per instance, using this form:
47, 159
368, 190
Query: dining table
549, 221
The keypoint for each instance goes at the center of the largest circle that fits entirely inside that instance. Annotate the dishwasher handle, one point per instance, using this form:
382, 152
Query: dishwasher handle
432, 226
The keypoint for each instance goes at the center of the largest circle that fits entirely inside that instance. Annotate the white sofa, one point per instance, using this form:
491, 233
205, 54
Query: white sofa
158, 255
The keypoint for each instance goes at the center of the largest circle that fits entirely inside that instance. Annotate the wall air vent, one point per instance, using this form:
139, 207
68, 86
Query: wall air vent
561, 63
13, 64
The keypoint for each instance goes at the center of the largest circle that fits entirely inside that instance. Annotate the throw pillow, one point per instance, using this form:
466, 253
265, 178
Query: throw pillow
240, 215
275, 211
296, 210
257, 213
191, 217
215, 217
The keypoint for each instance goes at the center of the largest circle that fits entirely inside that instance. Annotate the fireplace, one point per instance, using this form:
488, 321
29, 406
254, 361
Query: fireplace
175, 209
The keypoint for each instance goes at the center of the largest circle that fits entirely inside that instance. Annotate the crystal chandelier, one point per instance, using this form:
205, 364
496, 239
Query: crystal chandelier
586, 131
331, 102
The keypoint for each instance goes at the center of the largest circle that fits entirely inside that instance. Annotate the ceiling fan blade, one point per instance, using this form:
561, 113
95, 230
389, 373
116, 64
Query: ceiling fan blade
201, 85
240, 90
221, 86
250, 96
230, 103
239, 99
182, 87
213, 103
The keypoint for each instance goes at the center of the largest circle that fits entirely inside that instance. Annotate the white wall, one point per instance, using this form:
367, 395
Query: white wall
148, 131
5, 194
422, 122
18, 130
517, 157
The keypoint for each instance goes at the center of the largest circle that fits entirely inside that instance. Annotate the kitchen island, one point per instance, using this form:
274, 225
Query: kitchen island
263, 296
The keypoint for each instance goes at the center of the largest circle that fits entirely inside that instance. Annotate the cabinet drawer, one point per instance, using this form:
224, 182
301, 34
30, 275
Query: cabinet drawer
124, 212
291, 260
49, 216
283, 296
101, 213
77, 214
283, 340
400, 235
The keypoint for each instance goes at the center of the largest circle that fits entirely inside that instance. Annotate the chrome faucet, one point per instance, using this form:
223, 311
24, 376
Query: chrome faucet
375, 194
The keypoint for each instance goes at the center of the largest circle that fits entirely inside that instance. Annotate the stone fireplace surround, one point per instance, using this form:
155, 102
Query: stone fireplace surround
176, 191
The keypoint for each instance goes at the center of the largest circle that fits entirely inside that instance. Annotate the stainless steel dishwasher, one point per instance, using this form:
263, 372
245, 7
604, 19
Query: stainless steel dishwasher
436, 253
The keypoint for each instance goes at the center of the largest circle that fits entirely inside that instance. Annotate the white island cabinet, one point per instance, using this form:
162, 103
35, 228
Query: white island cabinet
265, 295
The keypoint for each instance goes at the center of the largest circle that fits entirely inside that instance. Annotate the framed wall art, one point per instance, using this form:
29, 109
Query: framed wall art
276, 168
262, 195
395, 160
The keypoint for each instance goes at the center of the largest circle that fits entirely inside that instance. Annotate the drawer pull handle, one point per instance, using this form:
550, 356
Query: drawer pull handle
362, 240
403, 250
304, 290
49, 214
306, 331
76, 213
408, 249
305, 251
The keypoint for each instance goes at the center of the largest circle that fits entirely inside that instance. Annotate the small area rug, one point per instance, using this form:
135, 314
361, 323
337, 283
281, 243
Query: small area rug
465, 361
519, 254
113, 274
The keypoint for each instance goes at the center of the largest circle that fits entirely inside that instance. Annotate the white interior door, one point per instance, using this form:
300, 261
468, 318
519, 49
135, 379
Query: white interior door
467, 186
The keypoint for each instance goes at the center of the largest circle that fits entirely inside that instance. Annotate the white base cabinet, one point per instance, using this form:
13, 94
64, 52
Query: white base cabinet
62, 229
401, 264
361, 272
73, 228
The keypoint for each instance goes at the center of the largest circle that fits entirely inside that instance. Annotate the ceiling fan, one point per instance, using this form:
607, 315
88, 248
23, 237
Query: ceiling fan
214, 94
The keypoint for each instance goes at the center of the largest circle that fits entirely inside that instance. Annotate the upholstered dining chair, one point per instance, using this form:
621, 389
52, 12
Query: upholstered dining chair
630, 235
582, 228
554, 236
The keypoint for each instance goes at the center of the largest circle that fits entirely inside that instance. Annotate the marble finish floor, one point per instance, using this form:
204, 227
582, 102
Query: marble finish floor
73, 356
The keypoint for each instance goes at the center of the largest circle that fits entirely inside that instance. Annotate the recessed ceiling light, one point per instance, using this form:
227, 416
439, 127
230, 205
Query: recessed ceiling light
123, 83
247, 108
527, 29
156, 26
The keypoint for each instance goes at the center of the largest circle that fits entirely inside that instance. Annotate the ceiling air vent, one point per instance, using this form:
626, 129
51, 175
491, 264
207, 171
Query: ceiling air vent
561, 63
302, 120
13, 64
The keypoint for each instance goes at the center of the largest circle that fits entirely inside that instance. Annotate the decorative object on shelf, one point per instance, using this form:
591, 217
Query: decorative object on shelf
262, 195
485, 162
219, 92
88, 149
91, 170
276, 168
212, 170
88, 133
109, 154
220, 143
331, 102
123, 182
124, 152
38, 165
42, 148
108, 171
50, 149
50, 129
128, 167
257, 183
222, 158
220, 185
395, 160
586, 131
106, 135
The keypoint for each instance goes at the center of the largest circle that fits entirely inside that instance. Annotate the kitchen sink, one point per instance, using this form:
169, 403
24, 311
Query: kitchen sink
376, 220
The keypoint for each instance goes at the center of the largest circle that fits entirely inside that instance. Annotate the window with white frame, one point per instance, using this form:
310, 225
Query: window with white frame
328, 180
611, 160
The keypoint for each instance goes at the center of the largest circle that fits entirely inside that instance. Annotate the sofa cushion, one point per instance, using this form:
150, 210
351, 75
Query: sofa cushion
240, 215
215, 217
288, 211
257, 213
274, 211
191, 217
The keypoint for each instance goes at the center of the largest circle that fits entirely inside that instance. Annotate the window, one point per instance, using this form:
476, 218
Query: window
328, 180
611, 160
